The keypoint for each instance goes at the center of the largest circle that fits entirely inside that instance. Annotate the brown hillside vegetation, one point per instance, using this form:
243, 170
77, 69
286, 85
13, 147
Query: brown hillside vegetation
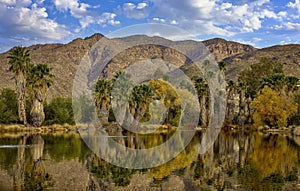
64, 58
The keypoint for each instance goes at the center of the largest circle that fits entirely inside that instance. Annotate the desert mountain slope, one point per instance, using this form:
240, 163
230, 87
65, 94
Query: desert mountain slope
64, 58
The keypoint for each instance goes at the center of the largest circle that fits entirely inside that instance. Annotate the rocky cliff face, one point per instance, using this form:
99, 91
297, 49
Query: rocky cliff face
65, 58
287, 55
223, 49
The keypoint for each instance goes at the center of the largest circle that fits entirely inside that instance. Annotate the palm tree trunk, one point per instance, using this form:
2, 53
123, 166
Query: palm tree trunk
242, 105
19, 171
203, 110
230, 107
37, 111
103, 112
21, 91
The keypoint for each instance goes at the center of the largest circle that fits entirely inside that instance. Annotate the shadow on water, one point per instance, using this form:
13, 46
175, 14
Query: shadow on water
236, 161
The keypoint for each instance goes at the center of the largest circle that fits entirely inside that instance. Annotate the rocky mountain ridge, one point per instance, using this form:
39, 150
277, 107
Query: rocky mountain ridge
65, 58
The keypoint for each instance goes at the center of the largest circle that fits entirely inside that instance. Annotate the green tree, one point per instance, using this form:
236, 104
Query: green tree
59, 111
19, 58
253, 76
272, 108
8, 106
39, 80
291, 83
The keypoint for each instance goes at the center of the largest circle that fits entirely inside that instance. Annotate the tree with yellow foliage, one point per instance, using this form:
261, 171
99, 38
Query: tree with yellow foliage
272, 108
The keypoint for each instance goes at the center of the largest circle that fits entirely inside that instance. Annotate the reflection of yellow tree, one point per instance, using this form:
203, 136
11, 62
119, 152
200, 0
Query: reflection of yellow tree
184, 159
273, 156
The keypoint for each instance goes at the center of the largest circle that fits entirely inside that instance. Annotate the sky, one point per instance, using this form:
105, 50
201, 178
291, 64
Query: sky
261, 23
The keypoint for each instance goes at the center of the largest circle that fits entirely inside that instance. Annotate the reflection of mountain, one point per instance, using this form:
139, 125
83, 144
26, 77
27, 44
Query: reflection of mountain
237, 161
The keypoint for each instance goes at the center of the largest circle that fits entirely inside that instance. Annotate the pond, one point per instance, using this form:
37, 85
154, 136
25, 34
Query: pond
236, 161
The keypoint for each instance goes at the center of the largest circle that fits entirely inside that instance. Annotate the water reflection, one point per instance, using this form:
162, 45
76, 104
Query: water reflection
237, 161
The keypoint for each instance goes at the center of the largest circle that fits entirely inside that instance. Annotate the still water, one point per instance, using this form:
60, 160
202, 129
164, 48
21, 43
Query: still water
237, 161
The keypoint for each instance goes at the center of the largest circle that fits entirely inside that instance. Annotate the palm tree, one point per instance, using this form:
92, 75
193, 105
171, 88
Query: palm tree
230, 101
121, 93
139, 101
242, 103
276, 81
203, 91
291, 83
222, 67
39, 80
19, 58
102, 99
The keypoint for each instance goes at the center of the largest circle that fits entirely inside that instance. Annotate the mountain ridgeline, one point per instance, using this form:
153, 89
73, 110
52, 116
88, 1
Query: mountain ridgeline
65, 58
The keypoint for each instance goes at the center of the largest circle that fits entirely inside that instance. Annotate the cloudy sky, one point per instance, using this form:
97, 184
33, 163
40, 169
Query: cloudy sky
261, 23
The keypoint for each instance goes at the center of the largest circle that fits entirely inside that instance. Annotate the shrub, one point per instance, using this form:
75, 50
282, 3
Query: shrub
8, 106
59, 111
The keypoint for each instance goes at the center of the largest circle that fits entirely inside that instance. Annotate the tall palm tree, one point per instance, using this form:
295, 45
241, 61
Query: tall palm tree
19, 58
102, 99
121, 93
203, 91
242, 87
231, 87
39, 80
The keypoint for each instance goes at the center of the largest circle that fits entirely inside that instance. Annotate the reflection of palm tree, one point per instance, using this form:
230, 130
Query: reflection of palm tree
36, 177
19, 170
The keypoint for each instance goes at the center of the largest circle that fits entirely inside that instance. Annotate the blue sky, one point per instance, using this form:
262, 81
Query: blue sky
260, 23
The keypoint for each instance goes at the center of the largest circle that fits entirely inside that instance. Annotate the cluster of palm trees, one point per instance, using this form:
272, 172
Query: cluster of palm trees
32, 81
249, 86
138, 100
136, 104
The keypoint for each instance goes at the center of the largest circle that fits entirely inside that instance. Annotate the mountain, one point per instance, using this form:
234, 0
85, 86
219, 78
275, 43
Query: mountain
65, 58
287, 55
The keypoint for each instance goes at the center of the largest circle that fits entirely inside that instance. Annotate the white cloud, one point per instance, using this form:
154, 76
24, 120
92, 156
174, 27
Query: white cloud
108, 18
215, 16
174, 22
282, 14
292, 26
295, 5
141, 5
86, 17
31, 22
155, 19
76, 9
16, 3
8, 2
138, 11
